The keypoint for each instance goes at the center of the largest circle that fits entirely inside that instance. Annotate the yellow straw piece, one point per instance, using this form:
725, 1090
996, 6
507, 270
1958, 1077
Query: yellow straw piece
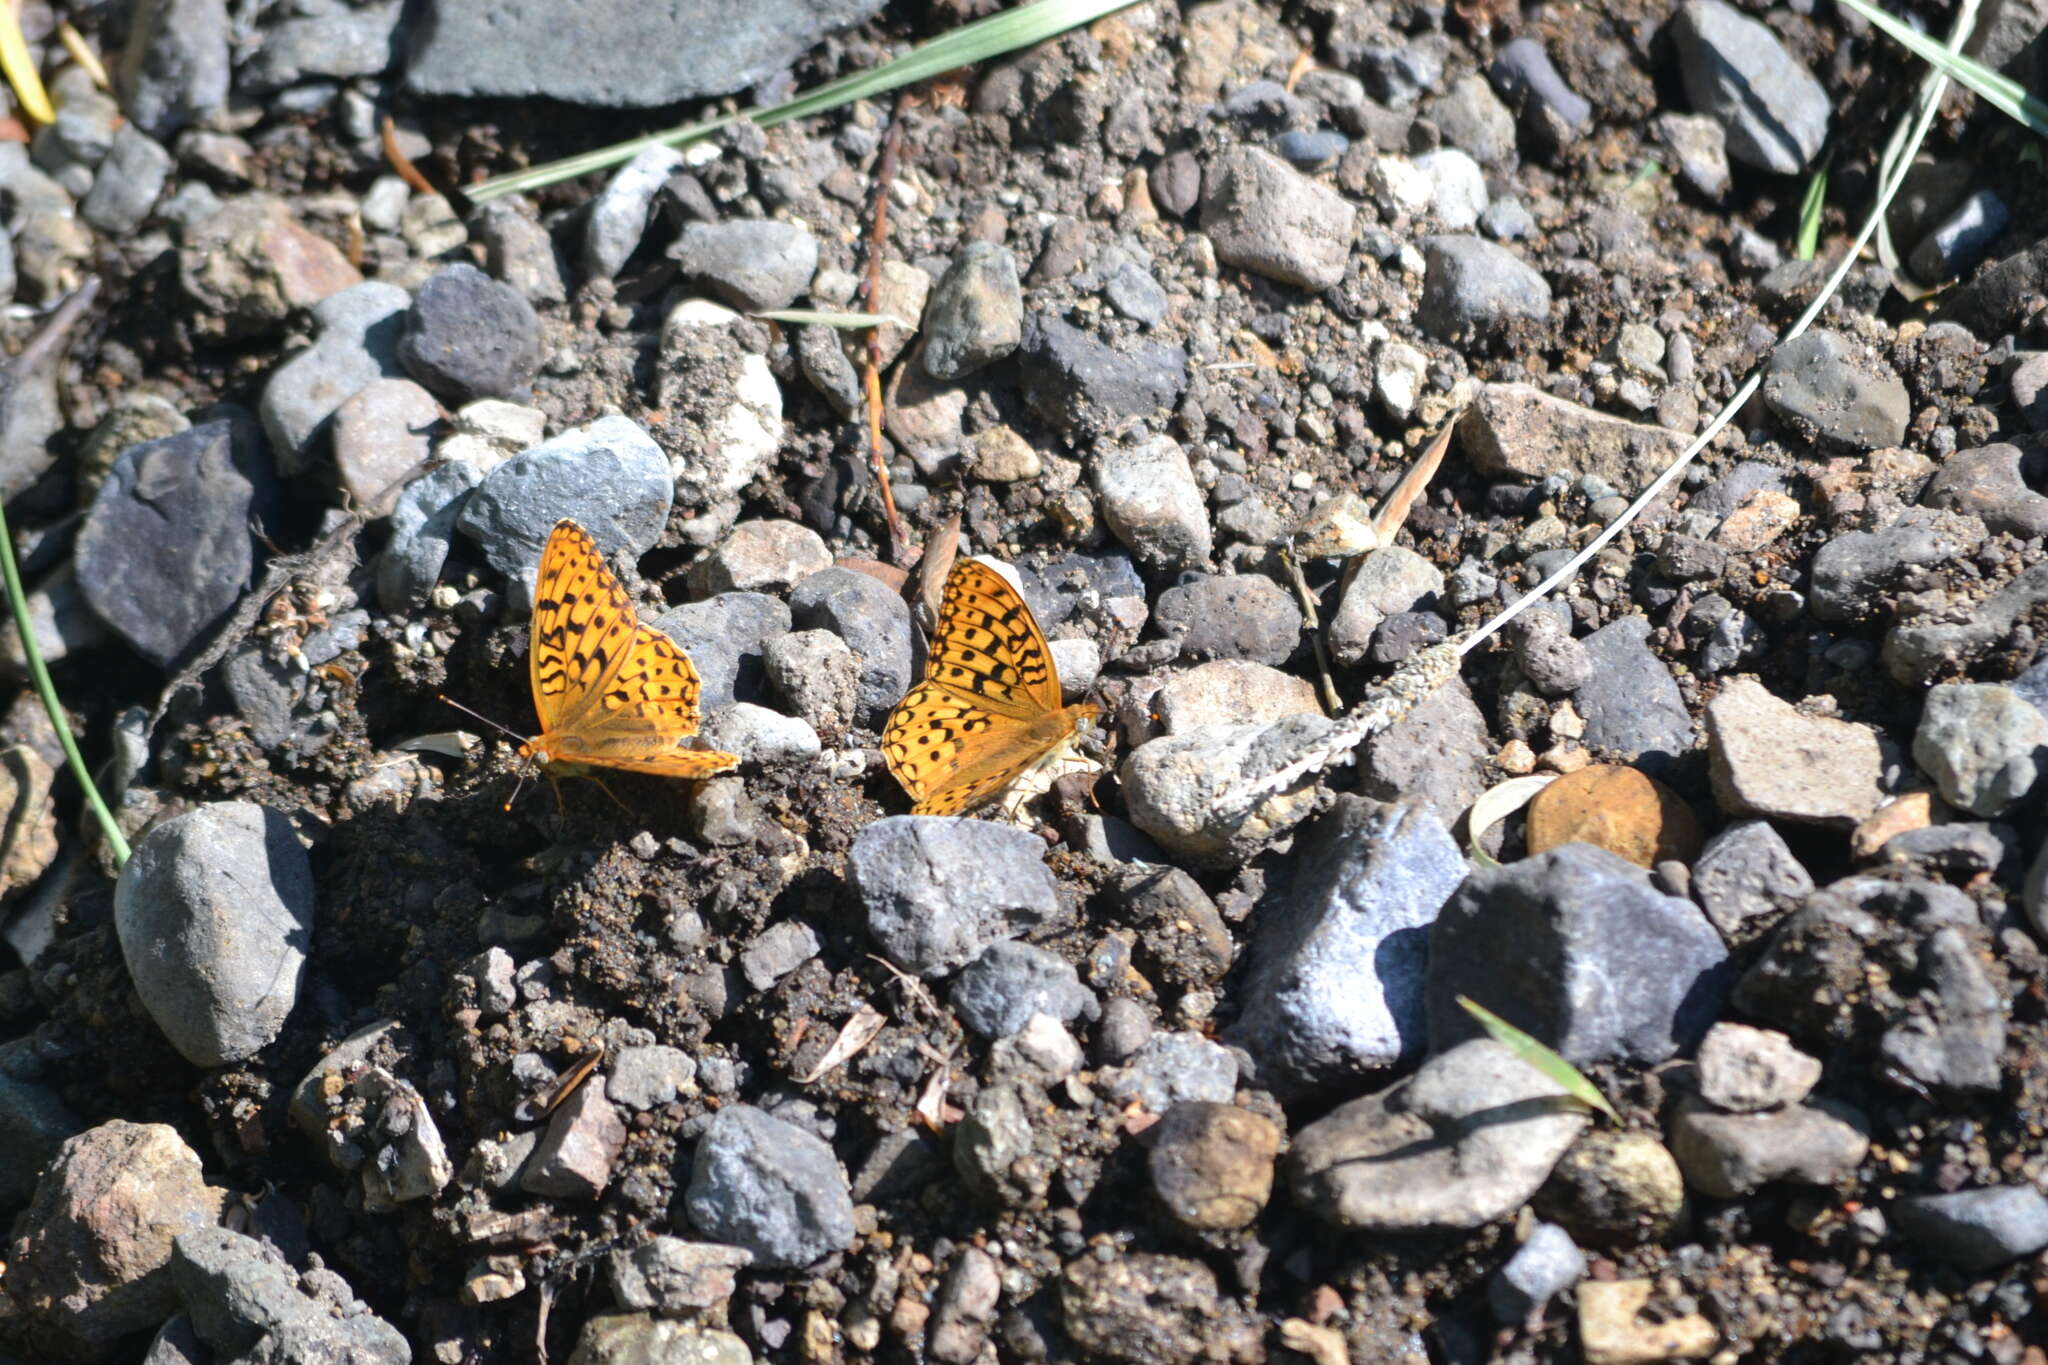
20, 69
82, 53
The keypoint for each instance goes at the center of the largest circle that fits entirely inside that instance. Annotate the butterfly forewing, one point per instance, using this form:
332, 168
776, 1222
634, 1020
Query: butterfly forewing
989, 706
583, 627
988, 644
609, 690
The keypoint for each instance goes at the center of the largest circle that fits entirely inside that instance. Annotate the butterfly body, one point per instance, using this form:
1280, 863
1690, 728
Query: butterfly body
989, 711
610, 692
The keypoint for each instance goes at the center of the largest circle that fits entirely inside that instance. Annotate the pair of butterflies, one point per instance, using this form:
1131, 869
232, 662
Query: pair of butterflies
614, 693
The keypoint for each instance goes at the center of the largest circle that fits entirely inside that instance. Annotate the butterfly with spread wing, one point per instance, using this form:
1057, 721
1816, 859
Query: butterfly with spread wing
610, 691
989, 710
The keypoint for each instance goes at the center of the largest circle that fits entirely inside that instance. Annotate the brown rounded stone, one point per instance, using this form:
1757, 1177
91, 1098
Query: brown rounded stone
1618, 809
1212, 1164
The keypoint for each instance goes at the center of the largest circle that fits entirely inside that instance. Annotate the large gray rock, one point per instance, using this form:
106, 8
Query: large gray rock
247, 1303
610, 55
770, 1188
1735, 69
609, 476
1339, 955
215, 913
166, 551
938, 889
1465, 1140
1577, 948
1269, 218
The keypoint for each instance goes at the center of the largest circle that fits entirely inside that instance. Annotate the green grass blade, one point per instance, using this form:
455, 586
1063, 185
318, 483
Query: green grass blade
2001, 92
39, 672
995, 36
1540, 1057
1810, 209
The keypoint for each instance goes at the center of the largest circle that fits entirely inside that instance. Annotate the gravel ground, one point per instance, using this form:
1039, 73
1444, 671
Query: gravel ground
367, 1055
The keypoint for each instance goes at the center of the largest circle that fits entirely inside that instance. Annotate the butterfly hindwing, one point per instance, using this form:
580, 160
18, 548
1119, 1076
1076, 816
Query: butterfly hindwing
949, 752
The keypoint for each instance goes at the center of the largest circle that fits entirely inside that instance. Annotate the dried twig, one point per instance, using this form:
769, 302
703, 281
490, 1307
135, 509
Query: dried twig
1314, 624
871, 287
400, 162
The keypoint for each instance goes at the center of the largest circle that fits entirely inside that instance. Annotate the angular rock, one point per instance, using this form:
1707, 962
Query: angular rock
422, 522
761, 556
1390, 580
1435, 756
1985, 483
633, 1338
380, 440
1009, 982
1517, 431
1339, 957
1152, 503
1735, 69
1731, 1155
357, 344
175, 68
1577, 948
468, 336
1766, 758
672, 1276
770, 1188
165, 551
937, 890
246, 1303
1543, 1267
93, 1264
1854, 569
1268, 218
1746, 879
875, 624
1465, 1140
618, 214
1172, 1068
609, 477
1826, 394
975, 315
1744, 1070
250, 264
1231, 616
816, 675
1227, 691
753, 264
627, 57
1630, 702
1474, 289
575, 1156
1983, 745
1179, 788
728, 638
1085, 386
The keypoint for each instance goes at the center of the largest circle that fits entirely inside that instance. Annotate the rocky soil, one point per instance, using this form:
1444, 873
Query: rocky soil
368, 1055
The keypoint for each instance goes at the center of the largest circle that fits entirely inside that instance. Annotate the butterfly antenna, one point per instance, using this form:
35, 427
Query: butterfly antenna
470, 711
517, 787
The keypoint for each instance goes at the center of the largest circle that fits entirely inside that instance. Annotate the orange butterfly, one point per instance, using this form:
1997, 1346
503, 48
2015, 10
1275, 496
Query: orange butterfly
989, 709
610, 691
